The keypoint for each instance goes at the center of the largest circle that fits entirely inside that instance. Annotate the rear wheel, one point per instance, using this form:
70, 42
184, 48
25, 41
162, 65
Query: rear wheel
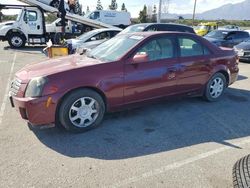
55, 3
215, 87
81, 110
16, 40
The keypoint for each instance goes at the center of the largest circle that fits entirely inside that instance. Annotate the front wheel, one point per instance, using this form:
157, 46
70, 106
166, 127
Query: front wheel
81, 110
16, 40
215, 87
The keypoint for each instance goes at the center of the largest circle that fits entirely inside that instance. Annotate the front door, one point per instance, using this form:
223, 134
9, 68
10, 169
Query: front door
32, 22
155, 77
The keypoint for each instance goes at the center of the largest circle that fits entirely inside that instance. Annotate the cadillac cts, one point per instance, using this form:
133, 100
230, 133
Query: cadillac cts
76, 91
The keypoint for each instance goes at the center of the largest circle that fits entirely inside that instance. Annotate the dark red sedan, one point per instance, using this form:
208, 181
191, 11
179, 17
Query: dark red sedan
129, 69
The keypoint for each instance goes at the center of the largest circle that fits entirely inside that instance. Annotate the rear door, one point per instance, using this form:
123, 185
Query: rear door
153, 78
194, 64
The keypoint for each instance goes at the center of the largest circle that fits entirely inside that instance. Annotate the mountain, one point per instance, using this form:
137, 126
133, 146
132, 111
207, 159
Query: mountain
229, 11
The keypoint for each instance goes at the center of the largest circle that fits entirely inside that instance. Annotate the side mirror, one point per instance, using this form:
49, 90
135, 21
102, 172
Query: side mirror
93, 39
140, 58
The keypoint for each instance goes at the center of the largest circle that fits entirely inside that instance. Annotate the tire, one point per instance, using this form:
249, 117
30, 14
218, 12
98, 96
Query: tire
241, 175
76, 116
16, 40
215, 87
58, 38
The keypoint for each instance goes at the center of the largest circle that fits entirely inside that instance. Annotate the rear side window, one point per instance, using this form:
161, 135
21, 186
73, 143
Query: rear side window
156, 49
240, 35
189, 47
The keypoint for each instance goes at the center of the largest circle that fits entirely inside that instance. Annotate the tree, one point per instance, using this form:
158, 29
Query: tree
99, 5
113, 5
124, 8
143, 15
154, 15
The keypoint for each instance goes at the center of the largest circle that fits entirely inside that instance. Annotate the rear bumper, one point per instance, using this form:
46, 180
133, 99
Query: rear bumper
36, 110
233, 78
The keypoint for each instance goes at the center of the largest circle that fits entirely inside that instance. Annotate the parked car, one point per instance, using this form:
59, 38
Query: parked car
227, 38
230, 27
158, 27
204, 28
243, 50
91, 39
124, 71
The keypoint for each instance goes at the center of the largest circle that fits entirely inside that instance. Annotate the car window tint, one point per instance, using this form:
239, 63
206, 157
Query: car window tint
102, 35
240, 35
189, 47
157, 49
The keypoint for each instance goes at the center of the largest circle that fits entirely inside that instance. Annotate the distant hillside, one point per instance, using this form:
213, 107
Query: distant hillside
239, 11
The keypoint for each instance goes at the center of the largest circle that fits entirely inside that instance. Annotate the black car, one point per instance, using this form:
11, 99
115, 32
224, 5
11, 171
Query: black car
243, 50
227, 38
158, 27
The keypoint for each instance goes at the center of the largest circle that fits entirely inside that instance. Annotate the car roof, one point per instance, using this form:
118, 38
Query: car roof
155, 33
170, 24
109, 29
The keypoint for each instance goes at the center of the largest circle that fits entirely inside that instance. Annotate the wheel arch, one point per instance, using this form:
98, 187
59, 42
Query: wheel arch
11, 31
101, 93
226, 74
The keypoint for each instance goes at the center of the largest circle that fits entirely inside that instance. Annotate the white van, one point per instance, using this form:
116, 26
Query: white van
116, 18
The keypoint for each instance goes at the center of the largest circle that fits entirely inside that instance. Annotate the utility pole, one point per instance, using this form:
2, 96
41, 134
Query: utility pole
194, 11
159, 12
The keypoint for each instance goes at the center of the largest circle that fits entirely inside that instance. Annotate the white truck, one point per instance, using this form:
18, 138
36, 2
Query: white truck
30, 26
120, 19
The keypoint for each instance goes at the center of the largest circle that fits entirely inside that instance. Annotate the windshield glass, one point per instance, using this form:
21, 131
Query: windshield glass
133, 28
19, 15
201, 27
87, 35
115, 48
217, 34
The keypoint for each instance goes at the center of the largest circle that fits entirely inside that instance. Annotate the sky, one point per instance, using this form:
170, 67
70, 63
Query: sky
134, 6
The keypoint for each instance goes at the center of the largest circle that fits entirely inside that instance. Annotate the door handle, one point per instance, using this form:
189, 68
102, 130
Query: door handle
38, 27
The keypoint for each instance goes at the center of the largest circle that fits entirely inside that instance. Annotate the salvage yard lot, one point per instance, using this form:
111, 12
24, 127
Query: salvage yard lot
178, 143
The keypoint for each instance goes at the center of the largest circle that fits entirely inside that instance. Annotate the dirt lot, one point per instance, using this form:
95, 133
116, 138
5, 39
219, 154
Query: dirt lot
182, 143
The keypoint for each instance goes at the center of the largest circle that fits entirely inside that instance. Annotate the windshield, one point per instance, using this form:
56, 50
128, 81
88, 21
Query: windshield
217, 34
19, 15
201, 27
134, 28
87, 35
115, 48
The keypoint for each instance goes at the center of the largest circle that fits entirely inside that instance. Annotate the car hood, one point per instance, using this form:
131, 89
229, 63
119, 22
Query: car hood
213, 40
91, 44
54, 66
243, 45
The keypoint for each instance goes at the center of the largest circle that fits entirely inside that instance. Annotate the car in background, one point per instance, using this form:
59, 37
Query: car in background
158, 27
92, 38
53, 3
227, 38
123, 72
230, 27
204, 28
243, 50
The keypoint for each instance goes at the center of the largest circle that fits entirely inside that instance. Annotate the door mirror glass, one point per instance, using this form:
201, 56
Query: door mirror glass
140, 58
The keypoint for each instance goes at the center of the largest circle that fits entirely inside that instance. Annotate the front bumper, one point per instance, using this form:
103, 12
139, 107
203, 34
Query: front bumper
3, 38
36, 110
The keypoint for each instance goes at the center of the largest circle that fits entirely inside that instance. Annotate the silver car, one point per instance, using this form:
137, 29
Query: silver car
91, 39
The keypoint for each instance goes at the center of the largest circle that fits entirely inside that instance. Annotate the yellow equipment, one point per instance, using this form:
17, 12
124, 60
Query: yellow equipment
204, 28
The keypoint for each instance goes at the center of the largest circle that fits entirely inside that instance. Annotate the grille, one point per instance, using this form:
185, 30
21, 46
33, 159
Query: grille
247, 53
15, 86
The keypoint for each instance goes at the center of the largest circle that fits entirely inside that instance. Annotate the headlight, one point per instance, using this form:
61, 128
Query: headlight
35, 87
